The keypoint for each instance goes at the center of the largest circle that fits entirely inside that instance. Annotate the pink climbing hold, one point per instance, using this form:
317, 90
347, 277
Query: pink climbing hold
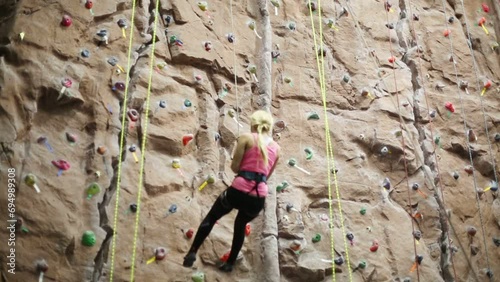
61, 164
67, 83
66, 21
133, 115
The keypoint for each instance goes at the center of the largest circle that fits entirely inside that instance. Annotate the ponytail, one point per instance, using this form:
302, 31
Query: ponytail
262, 147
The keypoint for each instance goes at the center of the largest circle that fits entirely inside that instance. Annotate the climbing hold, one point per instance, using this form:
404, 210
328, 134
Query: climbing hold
418, 261
176, 163
173, 208
331, 24
296, 245
162, 104
493, 186
71, 137
339, 261
471, 231
198, 277
311, 6
387, 6
133, 115
123, 25
207, 45
489, 273
133, 208
471, 135
386, 183
365, 92
384, 151
30, 180
374, 246
133, 149
389, 25
416, 17
485, 7
481, 23
392, 59
487, 85
101, 150
416, 187
251, 25
293, 163
275, 54
66, 83
496, 241
309, 153
350, 237
42, 267
276, 5
451, 20
112, 61
417, 235
446, 32
289, 207
203, 5
432, 114
92, 190
230, 37
362, 211
469, 169
316, 238
189, 233
88, 238
187, 103
449, 106
281, 187
248, 228
497, 137
232, 114
210, 180
89, 4
85, 53
160, 254
62, 165
346, 78
168, 20
407, 279
66, 21
103, 37
292, 26
456, 175
252, 69
312, 116
362, 264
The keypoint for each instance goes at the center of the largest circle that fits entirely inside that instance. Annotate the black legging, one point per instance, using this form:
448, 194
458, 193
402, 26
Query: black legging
249, 208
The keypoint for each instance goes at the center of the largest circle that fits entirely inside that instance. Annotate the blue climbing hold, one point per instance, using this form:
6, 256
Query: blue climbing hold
85, 53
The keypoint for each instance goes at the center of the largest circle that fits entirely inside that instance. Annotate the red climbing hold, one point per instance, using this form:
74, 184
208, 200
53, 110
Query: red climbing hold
487, 84
208, 46
449, 107
225, 256
189, 233
89, 4
133, 115
247, 229
160, 253
187, 138
486, 9
446, 32
374, 246
61, 164
66, 21
392, 60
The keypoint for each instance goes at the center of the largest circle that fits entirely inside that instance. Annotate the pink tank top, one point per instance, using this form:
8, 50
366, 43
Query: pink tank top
253, 161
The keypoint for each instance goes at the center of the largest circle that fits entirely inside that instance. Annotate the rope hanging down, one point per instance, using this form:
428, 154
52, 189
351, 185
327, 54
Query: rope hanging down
144, 139
122, 137
462, 110
403, 143
328, 144
234, 68
432, 138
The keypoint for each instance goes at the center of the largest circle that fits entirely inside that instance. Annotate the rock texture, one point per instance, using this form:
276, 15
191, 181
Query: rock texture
404, 130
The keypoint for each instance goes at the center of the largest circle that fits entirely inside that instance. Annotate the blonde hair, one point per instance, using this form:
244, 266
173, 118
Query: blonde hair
263, 122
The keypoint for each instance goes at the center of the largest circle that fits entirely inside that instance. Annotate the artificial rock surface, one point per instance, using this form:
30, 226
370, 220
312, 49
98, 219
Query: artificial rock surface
422, 80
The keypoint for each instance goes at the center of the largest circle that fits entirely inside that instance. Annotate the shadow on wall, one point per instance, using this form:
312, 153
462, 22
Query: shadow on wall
8, 9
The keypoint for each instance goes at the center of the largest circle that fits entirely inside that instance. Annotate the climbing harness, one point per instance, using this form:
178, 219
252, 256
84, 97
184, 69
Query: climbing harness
253, 176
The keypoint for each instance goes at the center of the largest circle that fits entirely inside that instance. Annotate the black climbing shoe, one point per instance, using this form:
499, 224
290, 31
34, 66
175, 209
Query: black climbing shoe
226, 267
189, 260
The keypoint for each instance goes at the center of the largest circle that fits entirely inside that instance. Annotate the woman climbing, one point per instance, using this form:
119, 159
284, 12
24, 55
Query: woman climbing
254, 160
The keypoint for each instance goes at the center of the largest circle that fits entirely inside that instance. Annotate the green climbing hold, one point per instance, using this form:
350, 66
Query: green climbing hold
282, 186
211, 179
198, 277
362, 264
437, 139
92, 190
292, 162
173, 38
30, 179
313, 115
316, 238
88, 238
309, 153
363, 211
187, 103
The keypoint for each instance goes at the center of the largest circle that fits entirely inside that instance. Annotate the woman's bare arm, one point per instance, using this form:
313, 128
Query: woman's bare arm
239, 152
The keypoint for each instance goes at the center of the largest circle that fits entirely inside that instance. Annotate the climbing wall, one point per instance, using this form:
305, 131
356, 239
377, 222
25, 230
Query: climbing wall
412, 108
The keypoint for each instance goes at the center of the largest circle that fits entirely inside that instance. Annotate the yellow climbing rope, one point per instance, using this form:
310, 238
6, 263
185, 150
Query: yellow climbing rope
329, 146
144, 138
122, 135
